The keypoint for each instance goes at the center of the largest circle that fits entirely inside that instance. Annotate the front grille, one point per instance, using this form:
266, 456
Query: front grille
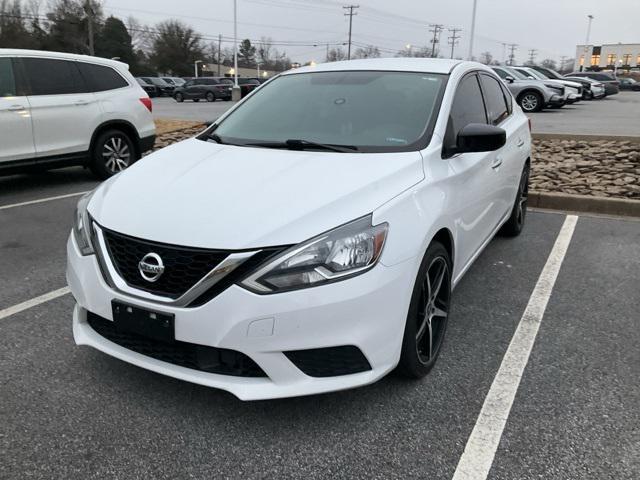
183, 266
330, 361
189, 355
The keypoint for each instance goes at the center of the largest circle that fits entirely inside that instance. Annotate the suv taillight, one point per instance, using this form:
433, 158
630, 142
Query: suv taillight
146, 101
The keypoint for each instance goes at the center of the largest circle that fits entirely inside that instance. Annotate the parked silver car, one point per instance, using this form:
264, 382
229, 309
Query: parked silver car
573, 90
532, 95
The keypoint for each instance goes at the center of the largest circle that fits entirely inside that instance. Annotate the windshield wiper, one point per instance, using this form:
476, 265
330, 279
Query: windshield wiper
215, 137
296, 144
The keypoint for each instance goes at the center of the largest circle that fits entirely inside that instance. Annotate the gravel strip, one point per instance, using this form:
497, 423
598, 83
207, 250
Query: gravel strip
606, 168
602, 168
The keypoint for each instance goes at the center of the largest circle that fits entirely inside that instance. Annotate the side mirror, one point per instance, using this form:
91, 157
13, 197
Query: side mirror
480, 137
509, 79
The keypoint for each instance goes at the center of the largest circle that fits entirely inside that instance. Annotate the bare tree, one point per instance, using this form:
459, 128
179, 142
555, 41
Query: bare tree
369, 51
336, 54
486, 58
549, 63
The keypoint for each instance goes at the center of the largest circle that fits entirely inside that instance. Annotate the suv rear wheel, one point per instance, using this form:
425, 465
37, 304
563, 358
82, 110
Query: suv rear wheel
210, 96
113, 151
179, 97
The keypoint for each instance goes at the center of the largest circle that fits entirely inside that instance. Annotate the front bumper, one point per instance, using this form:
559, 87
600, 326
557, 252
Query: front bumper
368, 311
556, 100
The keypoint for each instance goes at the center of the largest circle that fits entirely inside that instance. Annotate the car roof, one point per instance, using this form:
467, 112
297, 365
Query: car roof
19, 52
426, 65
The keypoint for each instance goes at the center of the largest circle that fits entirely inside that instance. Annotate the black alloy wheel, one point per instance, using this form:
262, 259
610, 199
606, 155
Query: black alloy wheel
514, 225
428, 313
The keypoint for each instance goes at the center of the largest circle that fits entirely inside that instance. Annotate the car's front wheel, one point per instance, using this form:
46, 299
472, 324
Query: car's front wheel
113, 151
514, 225
210, 97
530, 102
179, 97
428, 313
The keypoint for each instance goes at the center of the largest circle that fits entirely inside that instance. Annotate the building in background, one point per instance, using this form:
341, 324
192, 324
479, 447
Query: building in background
625, 56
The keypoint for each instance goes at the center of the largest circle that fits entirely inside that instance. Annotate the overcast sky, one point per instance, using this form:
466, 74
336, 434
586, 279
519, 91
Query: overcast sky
553, 27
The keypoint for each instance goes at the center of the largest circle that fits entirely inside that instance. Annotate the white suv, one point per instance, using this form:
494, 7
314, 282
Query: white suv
58, 109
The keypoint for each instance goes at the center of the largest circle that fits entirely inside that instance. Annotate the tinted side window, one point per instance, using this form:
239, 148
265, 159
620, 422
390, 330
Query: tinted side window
468, 106
508, 97
501, 73
53, 77
100, 78
494, 98
7, 80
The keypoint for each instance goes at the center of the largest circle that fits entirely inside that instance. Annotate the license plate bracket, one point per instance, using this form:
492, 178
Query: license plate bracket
147, 323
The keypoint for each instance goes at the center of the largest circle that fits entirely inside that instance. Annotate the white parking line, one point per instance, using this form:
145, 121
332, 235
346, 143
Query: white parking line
478, 455
42, 200
7, 312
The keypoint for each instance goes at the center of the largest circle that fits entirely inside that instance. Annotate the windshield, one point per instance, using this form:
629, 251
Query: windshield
158, 81
535, 74
369, 110
516, 74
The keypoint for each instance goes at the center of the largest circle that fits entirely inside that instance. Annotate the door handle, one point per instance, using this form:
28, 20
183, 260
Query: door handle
16, 108
520, 143
81, 103
496, 162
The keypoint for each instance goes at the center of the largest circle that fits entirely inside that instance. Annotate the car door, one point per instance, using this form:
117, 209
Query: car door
474, 181
16, 133
507, 162
64, 114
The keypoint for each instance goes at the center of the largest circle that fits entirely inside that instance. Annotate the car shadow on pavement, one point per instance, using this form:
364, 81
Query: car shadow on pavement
66, 180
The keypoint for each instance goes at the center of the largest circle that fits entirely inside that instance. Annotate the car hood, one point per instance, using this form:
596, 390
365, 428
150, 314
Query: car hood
203, 194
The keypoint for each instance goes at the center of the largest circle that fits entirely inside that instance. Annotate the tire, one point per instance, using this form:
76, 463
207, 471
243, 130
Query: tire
210, 97
112, 152
514, 225
530, 101
179, 97
428, 314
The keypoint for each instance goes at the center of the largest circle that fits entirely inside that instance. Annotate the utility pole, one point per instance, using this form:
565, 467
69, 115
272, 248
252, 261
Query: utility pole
532, 55
351, 13
235, 91
453, 39
219, 52
88, 10
512, 55
504, 53
586, 42
437, 28
563, 60
473, 30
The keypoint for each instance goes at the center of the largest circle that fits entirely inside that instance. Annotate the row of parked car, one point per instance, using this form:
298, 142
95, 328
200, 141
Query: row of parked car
196, 89
536, 88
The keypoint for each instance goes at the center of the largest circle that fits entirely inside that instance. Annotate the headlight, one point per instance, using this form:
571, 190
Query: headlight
335, 255
553, 87
82, 226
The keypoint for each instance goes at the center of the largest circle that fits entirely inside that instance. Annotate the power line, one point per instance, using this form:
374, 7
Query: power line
453, 39
351, 13
436, 29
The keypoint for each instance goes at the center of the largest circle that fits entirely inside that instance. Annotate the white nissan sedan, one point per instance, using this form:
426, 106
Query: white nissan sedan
309, 240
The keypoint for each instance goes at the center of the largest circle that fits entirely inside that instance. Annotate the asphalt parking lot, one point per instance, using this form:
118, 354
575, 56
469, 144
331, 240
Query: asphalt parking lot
71, 412
615, 115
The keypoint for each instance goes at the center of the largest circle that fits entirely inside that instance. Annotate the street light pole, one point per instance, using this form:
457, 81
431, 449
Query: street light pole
195, 67
235, 92
586, 43
473, 29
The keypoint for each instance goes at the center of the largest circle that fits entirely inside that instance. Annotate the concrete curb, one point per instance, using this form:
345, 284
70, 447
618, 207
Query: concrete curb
585, 204
586, 138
